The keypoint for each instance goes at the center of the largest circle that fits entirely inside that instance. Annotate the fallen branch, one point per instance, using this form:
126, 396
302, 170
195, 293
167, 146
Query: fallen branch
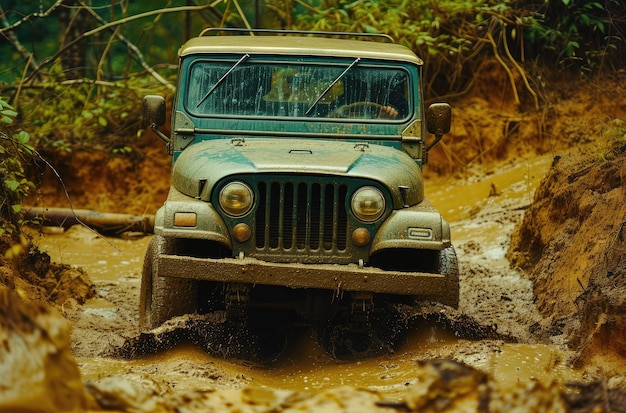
104, 222
56, 173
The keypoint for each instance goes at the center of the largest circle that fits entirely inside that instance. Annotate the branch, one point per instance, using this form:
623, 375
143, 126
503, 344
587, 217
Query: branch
119, 22
58, 176
504, 66
520, 70
241, 14
133, 48
11, 37
307, 6
10, 28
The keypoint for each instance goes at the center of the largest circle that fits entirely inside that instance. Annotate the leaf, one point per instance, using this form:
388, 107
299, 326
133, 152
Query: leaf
8, 112
368, 28
585, 19
17, 208
102, 121
23, 137
11, 184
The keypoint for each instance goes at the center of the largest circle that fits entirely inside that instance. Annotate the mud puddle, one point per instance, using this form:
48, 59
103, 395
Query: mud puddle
489, 332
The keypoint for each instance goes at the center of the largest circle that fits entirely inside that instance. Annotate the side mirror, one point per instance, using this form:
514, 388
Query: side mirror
153, 111
438, 120
154, 115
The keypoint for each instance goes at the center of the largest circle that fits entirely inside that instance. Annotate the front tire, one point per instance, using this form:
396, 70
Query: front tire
448, 265
162, 298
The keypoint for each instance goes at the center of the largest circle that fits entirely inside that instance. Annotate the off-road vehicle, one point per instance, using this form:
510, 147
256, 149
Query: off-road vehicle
297, 182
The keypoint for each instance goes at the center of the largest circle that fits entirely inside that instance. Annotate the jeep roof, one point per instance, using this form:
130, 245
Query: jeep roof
299, 45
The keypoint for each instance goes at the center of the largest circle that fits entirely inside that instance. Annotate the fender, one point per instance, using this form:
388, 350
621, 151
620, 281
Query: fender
417, 227
208, 223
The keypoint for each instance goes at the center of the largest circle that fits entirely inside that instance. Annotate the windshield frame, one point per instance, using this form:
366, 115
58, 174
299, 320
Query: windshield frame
342, 65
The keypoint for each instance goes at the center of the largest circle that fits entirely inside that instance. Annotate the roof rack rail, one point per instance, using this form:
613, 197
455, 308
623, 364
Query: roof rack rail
277, 31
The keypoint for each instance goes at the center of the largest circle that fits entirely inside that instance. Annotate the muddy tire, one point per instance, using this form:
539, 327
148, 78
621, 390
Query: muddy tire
448, 265
162, 298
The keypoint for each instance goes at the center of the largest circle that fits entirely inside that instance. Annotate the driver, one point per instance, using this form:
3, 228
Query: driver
382, 98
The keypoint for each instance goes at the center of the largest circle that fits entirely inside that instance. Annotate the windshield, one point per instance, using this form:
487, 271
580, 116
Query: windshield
249, 87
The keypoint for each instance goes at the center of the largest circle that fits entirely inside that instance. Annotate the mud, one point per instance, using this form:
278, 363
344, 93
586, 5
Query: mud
490, 342
37, 368
540, 325
572, 244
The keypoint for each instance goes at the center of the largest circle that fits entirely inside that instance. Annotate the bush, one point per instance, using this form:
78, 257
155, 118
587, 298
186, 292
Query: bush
13, 183
576, 34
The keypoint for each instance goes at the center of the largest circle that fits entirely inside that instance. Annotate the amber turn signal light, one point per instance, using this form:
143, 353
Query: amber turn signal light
185, 219
242, 232
361, 237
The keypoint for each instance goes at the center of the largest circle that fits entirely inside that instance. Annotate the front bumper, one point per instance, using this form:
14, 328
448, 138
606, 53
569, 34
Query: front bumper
322, 276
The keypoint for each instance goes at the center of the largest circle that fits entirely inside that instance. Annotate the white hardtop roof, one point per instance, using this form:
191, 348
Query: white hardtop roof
298, 45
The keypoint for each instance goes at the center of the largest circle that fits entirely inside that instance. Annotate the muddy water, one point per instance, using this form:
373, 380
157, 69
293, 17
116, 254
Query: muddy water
482, 212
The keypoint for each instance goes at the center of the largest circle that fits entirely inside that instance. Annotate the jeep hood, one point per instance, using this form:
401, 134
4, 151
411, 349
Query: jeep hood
199, 167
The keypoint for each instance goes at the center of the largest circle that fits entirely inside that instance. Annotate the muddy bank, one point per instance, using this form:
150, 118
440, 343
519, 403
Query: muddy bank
572, 244
38, 371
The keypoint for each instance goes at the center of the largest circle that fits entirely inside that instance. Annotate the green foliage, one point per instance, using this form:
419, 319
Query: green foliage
64, 116
13, 182
157, 37
446, 34
579, 34
123, 150
454, 38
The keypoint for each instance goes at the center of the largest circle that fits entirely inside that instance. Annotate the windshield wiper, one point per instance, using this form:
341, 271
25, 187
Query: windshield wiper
333, 83
224, 76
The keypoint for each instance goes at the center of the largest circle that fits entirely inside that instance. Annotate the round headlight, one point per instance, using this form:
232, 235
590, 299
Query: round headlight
368, 204
236, 199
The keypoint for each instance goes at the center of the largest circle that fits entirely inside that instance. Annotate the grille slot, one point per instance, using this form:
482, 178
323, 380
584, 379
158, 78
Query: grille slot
301, 217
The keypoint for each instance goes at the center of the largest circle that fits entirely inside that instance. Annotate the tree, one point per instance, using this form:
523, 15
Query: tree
74, 21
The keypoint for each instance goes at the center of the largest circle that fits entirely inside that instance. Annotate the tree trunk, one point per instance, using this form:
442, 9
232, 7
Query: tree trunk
74, 21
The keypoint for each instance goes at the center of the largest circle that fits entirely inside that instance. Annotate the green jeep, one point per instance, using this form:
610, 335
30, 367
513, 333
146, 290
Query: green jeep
297, 182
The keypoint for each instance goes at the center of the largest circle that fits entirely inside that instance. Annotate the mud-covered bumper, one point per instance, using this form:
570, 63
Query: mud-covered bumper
324, 276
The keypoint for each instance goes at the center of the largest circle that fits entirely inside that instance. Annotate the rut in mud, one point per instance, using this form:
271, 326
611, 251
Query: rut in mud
260, 341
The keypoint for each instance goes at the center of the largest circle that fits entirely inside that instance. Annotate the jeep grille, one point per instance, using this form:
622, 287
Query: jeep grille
301, 217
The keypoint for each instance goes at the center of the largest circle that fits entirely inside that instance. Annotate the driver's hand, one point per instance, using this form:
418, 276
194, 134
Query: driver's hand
388, 112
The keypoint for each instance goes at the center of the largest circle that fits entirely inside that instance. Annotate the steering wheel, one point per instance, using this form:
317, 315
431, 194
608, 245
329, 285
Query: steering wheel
368, 110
